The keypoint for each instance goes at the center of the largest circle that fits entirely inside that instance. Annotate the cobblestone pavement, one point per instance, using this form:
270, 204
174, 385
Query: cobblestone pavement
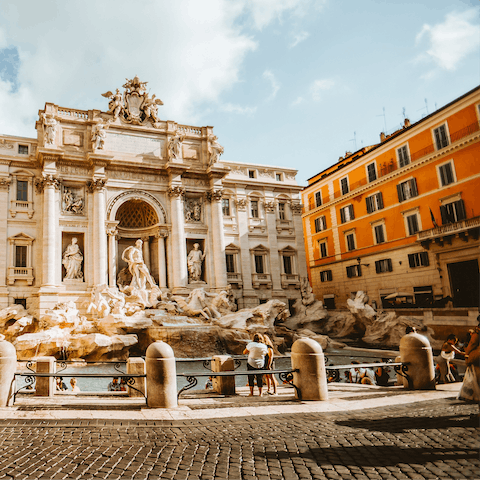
426, 440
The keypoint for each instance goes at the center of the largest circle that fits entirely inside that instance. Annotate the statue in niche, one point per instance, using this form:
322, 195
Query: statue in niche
72, 203
174, 148
215, 149
49, 128
99, 135
115, 105
72, 261
139, 271
194, 263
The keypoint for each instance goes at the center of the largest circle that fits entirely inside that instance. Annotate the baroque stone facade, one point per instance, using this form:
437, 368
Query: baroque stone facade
92, 183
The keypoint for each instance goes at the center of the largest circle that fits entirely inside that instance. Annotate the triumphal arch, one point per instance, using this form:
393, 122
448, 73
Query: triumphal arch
76, 200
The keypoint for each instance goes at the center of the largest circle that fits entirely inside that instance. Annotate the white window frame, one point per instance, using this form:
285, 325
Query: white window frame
439, 176
406, 145
326, 274
17, 206
254, 173
408, 213
376, 172
284, 211
378, 223
407, 181
348, 185
346, 233
254, 199
345, 209
322, 241
447, 133
20, 273
322, 222
279, 177
229, 207
375, 202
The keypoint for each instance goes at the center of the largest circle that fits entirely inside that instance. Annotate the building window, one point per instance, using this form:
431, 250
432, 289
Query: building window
379, 231
344, 185
446, 174
281, 211
287, 264
453, 212
441, 137
412, 224
254, 208
259, 264
226, 207
320, 224
230, 260
423, 296
20, 256
326, 276
21, 301
382, 266
354, 271
278, 176
403, 156
374, 202
346, 214
371, 172
322, 246
22, 191
251, 174
419, 259
407, 190
23, 149
318, 199
350, 239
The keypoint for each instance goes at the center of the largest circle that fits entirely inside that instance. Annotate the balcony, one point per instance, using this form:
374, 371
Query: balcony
464, 229
21, 206
234, 278
20, 273
261, 279
289, 279
284, 225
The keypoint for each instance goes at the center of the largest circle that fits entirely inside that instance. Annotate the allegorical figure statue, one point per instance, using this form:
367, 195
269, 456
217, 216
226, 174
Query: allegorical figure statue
139, 271
72, 261
175, 146
194, 263
49, 128
99, 135
215, 149
115, 106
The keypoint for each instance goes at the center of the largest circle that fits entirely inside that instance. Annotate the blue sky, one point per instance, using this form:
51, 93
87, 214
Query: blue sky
293, 83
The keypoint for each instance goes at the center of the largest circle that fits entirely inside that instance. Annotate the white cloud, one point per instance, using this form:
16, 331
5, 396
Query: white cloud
298, 38
297, 101
268, 75
70, 53
319, 86
452, 40
264, 12
231, 108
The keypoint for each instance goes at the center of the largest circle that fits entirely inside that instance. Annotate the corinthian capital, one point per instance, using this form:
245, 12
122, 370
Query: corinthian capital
5, 183
297, 208
46, 181
96, 185
176, 191
214, 195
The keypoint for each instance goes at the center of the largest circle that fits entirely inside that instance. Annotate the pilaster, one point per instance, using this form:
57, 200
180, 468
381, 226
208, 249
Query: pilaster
4, 188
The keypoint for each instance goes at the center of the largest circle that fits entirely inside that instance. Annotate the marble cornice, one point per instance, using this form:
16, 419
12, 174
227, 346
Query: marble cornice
49, 154
175, 168
99, 159
217, 171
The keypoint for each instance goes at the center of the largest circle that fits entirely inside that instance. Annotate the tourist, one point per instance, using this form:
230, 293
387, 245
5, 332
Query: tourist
447, 354
367, 376
114, 386
471, 381
410, 329
381, 376
353, 374
256, 351
61, 387
269, 365
123, 385
75, 387
209, 383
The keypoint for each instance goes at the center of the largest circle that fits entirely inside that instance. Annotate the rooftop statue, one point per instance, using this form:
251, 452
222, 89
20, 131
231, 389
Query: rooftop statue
214, 149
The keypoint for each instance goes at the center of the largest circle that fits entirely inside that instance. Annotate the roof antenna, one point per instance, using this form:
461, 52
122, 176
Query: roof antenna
384, 120
354, 140
426, 105
404, 114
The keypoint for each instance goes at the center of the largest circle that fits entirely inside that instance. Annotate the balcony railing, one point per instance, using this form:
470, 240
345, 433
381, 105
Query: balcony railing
261, 279
386, 168
448, 229
290, 279
234, 278
20, 273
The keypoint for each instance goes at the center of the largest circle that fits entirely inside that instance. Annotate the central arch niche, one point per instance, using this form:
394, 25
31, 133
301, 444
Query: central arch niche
136, 214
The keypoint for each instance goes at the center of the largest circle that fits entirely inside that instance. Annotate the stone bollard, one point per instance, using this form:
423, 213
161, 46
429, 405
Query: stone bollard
415, 350
223, 385
45, 386
161, 376
136, 366
8, 365
308, 358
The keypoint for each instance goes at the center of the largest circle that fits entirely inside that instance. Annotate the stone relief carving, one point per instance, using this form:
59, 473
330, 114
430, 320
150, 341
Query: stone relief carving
5, 183
214, 149
193, 210
194, 263
214, 195
96, 185
49, 129
174, 147
266, 173
111, 231
176, 191
98, 135
6, 144
72, 261
134, 106
270, 206
45, 181
290, 176
241, 203
73, 201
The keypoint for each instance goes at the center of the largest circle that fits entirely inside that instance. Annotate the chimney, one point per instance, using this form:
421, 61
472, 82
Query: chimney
382, 137
406, 123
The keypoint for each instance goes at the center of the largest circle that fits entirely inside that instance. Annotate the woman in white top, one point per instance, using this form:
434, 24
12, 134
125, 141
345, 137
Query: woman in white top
256, 361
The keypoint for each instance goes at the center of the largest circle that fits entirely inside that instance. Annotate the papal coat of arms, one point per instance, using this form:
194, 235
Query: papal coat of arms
134, 106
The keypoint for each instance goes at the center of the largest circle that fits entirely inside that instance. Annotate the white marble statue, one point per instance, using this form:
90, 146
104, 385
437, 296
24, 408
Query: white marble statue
194, 263
139, 271
174, 149
150, 107
98, 135
116, 103
49, 128
72, 203
72, 261
215, 149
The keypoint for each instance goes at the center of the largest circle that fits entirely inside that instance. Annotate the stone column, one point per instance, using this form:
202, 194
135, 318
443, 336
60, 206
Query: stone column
112, 256
214, 196
99, 234
297, 209
162, 261
146, 251
178, 255
4, 186
275, 267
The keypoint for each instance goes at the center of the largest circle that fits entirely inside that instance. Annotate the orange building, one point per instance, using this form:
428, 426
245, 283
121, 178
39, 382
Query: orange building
401, 219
